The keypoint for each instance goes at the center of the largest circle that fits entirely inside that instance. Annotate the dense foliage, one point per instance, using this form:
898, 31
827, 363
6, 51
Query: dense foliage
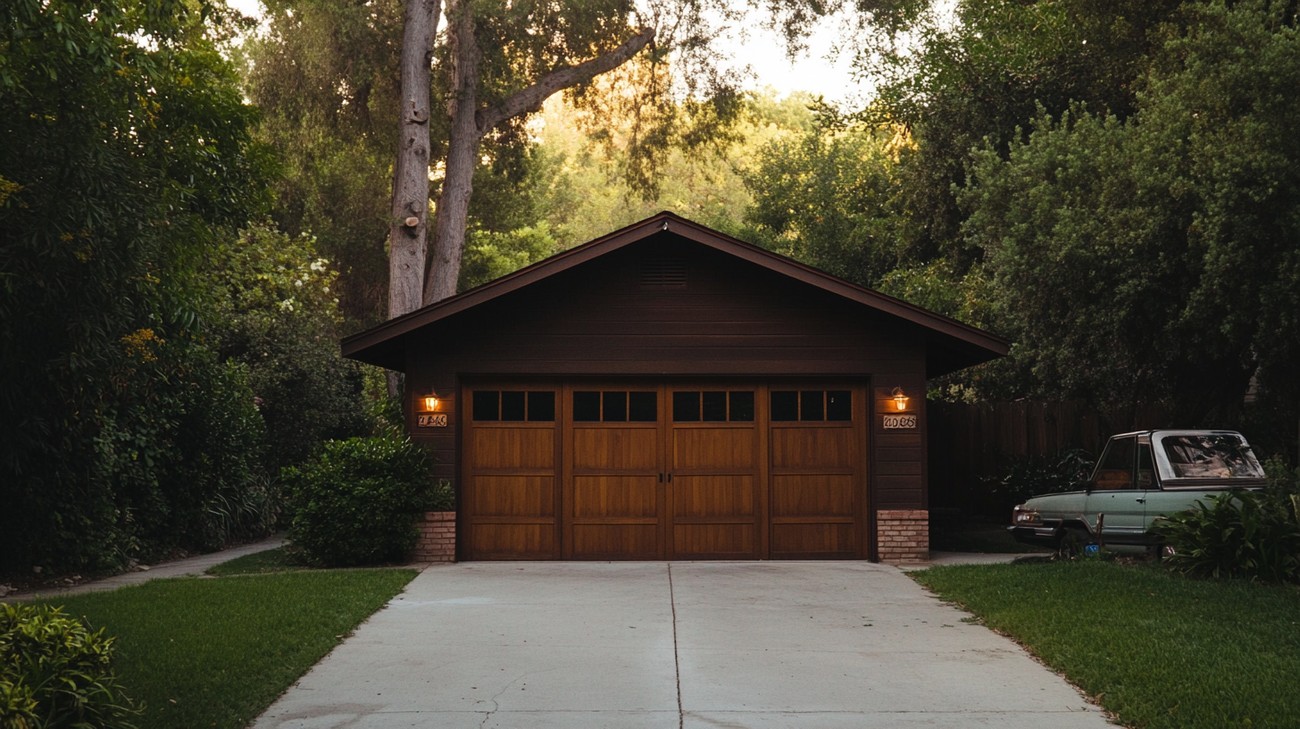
1247, 534
356, 502
829, 198
1153, 258
56, 673
129, 157
159, 365
324, 75
1028, 476
274, 310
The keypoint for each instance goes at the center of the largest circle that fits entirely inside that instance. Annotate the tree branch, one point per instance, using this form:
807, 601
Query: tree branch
560, 79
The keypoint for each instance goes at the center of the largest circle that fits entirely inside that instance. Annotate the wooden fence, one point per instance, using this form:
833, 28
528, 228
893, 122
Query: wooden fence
967, 442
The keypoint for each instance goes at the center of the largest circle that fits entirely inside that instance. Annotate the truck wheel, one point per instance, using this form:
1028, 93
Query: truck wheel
1073, 541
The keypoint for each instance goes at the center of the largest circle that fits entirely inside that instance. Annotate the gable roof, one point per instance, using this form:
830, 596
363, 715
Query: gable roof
952, 345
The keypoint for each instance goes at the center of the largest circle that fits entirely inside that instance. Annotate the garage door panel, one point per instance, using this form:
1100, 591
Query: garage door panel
512, 541
812, 541
714, 448
511, 448
812, 495
616, 449
713, 496
513, 496
616, 541
714, 541
615, 496
813, 447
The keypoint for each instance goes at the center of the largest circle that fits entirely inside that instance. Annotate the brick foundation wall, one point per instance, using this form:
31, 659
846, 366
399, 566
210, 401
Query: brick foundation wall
437, 541
903, 535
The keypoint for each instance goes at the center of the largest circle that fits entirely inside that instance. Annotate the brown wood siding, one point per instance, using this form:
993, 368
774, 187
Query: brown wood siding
950, 345
729, 319
441, 443
899, 466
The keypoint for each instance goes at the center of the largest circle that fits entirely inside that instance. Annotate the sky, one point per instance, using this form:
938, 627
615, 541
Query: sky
764, 52
813, 70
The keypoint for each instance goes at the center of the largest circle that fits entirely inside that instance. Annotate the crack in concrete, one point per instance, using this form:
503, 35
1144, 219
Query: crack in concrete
677, 661
496, 706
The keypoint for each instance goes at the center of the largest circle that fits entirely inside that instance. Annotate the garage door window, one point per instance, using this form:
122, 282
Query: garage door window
812, 406
713, 406
514, 406
615, 406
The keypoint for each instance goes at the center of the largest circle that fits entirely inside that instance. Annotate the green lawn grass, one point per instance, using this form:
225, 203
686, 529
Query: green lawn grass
1155, 649
216, 652
270, 560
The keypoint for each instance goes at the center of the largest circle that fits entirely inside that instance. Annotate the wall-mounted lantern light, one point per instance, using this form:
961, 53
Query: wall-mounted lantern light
900, 400
429, 403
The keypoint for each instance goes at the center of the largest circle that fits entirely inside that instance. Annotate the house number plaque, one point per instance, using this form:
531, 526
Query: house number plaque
900, 422
431, 420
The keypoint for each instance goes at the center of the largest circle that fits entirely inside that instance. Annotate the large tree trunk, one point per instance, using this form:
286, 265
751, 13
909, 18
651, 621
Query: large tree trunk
408, 225
462, 146
469, 124
409, 222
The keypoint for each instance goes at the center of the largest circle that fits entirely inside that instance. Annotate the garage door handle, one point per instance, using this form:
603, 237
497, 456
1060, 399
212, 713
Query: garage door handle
670, 478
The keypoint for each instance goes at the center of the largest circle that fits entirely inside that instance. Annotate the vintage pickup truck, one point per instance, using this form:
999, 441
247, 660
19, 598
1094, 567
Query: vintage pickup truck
1140, 477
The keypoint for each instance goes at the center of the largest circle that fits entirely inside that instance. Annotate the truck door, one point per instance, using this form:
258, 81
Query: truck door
1117, 497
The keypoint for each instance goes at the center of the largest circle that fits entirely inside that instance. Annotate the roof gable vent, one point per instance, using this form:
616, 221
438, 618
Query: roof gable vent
663, 273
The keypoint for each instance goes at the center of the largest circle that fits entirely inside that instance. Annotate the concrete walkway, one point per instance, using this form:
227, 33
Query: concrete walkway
802, 645
175, 568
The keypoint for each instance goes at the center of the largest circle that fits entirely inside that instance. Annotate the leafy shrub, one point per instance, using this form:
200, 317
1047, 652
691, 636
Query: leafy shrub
55, 672
357, 501
1032, 475
1247, 534
441, 497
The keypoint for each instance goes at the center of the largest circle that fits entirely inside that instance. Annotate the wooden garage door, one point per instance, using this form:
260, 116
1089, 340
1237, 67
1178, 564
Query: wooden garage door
714, 474
817, 478
511, 500
613, 503
665, 472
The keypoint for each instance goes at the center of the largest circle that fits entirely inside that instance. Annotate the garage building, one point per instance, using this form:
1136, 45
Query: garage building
669, 392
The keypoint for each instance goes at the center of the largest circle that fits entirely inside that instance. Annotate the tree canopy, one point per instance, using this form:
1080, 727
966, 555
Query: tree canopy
1153, 257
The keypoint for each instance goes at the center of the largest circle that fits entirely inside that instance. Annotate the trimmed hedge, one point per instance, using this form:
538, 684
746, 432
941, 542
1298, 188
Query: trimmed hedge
358, 500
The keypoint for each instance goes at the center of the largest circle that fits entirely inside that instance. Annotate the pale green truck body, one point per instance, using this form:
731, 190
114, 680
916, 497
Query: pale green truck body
1139, 478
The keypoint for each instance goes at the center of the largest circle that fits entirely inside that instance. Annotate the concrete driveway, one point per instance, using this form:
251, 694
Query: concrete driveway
689, 644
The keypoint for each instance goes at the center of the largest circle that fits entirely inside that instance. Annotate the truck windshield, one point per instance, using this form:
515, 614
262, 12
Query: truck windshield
1210, 456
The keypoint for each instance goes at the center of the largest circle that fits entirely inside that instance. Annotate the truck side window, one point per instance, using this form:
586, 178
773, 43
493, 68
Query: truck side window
1146, 467
1115, 470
